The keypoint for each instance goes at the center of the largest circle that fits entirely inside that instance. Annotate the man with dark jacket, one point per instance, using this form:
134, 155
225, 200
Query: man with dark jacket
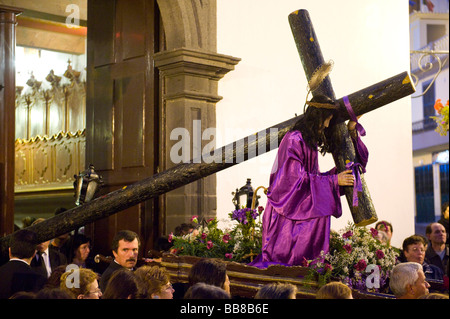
125, 248
46, 259
16, 275
437, 251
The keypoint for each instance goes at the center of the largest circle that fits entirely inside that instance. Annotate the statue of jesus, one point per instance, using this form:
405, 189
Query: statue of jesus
301, 199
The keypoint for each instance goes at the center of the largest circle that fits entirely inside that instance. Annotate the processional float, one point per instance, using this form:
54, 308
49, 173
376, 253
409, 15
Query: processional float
362, 101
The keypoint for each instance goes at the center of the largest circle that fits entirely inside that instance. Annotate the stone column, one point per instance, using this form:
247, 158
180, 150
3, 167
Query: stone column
190, 70
7, 116
190, 92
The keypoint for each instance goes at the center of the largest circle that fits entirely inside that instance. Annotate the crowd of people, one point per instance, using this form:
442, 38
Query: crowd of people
62, 269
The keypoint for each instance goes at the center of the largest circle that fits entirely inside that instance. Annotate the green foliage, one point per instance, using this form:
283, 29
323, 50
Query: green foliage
442, 119
240, 244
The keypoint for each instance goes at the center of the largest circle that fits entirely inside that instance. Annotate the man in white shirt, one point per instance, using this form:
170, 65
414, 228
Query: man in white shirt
46, 259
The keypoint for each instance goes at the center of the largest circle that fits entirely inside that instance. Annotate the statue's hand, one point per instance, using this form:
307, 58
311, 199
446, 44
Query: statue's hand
346, 178
351, 125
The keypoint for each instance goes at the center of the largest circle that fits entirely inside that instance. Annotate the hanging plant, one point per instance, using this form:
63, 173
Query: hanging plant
442, 118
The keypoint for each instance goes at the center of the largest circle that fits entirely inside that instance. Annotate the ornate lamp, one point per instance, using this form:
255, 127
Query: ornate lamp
244, 195
86, 185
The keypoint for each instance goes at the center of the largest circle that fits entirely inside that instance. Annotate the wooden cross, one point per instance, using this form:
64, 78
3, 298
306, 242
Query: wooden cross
363, 101
311, 57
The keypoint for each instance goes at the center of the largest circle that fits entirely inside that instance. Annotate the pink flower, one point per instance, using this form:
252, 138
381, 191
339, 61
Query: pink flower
347, 234
361, 265
204, 236
229, 255
374, 232
209, 244
170, 238
226, 238
379, 254
194, 219
328, 267
210, 220
260, 209
348, 248
304, 262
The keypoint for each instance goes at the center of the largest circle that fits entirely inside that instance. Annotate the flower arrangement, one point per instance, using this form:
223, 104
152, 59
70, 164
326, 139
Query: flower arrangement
240, 243
442, 118
354, 253
247, 233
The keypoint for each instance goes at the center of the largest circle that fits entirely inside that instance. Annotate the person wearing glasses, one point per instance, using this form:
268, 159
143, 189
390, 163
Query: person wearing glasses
414, 248
82, 283
154, 283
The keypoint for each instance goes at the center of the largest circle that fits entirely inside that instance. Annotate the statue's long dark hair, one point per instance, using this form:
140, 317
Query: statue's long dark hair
311, 122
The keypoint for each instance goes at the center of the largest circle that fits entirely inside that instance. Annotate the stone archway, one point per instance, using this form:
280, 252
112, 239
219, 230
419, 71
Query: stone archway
189, 24
190, 69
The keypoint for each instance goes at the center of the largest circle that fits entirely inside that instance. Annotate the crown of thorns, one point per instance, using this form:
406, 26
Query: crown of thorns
329, 106
317, 78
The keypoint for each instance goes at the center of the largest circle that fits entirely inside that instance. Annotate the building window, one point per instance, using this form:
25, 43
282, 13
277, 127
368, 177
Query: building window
428, 101
424, 194
443, 172
435, 32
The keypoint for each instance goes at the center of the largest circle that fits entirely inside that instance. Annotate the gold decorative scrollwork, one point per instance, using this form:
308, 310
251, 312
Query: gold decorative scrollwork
428, 66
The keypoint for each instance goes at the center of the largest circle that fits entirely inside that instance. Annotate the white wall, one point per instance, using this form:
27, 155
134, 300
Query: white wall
442, 83
368, 42
441, 91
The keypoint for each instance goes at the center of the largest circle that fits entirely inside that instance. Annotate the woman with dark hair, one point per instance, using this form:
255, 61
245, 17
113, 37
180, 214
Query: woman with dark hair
301, 199
80, 251
123, 284
204, 291
211, 272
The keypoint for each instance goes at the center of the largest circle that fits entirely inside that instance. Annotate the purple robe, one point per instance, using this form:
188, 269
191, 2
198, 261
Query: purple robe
300, 203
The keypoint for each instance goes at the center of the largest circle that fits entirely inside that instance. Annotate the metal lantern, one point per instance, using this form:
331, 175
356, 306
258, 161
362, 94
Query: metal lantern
244, 195
86, 185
